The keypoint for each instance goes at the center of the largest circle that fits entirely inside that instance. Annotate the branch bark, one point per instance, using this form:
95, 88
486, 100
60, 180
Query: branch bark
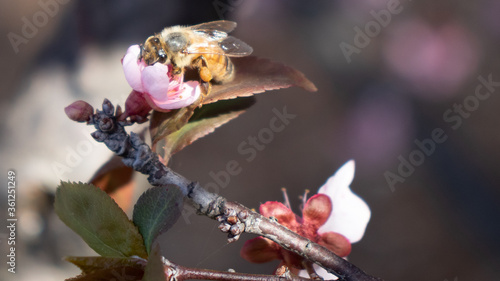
234, 217
181, 273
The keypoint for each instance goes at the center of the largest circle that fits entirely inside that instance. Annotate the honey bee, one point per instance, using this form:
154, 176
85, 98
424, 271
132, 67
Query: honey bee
205, 47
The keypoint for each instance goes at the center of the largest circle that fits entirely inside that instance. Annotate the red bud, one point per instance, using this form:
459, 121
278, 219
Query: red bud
79, 111
136, 107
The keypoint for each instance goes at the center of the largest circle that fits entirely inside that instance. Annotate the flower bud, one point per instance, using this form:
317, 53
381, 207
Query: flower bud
79, 111
136, 107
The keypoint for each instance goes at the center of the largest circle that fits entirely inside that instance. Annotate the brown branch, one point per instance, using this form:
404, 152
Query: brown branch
235, 218
180, 273
257, 224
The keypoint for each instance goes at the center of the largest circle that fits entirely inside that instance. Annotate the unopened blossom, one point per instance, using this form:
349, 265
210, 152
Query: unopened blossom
136, 108
160, 89
79, 111
333, 218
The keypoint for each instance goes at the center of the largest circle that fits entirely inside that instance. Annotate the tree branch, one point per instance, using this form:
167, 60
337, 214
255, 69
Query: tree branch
235, 218
180, 273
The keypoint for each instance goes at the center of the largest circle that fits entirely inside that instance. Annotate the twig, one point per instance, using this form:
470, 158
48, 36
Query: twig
235, 218
179, 273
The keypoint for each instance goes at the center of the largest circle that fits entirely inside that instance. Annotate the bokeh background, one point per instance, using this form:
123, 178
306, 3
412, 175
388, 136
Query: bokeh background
417, 71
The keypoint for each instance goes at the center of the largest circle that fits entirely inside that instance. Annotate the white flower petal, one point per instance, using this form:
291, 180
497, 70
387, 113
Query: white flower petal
350, 214
320, 271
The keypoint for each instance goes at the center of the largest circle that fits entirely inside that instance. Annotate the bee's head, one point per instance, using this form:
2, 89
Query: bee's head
153, 50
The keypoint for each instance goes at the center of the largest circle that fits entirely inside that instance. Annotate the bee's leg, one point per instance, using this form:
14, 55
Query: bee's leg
176, 70
206, 88
202, 65
205, 74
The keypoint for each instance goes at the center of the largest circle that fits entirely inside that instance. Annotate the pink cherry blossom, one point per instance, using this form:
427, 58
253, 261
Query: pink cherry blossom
315, 213
435, 60
334, 218
350, 214
161, 90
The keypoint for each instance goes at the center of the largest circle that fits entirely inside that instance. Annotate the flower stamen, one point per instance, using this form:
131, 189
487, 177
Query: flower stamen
304, 199
285, 196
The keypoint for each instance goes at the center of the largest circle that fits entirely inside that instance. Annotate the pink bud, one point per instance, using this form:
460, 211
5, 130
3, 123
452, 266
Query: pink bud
136, 106
79, 111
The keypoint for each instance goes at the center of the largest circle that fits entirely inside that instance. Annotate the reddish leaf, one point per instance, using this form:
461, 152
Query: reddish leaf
164, 123
155, 269
204, 121
129, 273
112, 175
255, 75
116, 179
193, 131
94, 264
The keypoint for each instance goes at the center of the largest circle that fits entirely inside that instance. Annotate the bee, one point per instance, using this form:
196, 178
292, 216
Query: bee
205, 47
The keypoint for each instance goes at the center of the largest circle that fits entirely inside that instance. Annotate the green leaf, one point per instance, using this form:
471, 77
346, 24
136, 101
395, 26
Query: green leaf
101, 223
155, 270
156, 211
203, 121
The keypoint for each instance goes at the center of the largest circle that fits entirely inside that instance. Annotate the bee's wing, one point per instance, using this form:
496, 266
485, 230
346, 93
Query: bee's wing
230, 46
220, 25
215, 30
211, 35
204, 47
214, 40
234, 47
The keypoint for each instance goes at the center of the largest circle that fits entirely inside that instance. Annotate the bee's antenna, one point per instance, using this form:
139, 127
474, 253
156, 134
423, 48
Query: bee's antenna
141, 47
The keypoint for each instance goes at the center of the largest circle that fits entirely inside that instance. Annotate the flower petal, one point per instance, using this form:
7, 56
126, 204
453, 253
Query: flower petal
320, 271
284, 215
189, 92
291, 259
336, 243
156, 81
132, 67
317, 210
350, 214
260, 250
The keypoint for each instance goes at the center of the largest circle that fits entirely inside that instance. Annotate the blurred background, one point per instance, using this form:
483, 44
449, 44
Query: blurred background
388, 74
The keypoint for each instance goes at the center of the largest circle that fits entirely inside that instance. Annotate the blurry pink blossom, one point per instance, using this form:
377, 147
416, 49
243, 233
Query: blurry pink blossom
160, 89
436, 61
